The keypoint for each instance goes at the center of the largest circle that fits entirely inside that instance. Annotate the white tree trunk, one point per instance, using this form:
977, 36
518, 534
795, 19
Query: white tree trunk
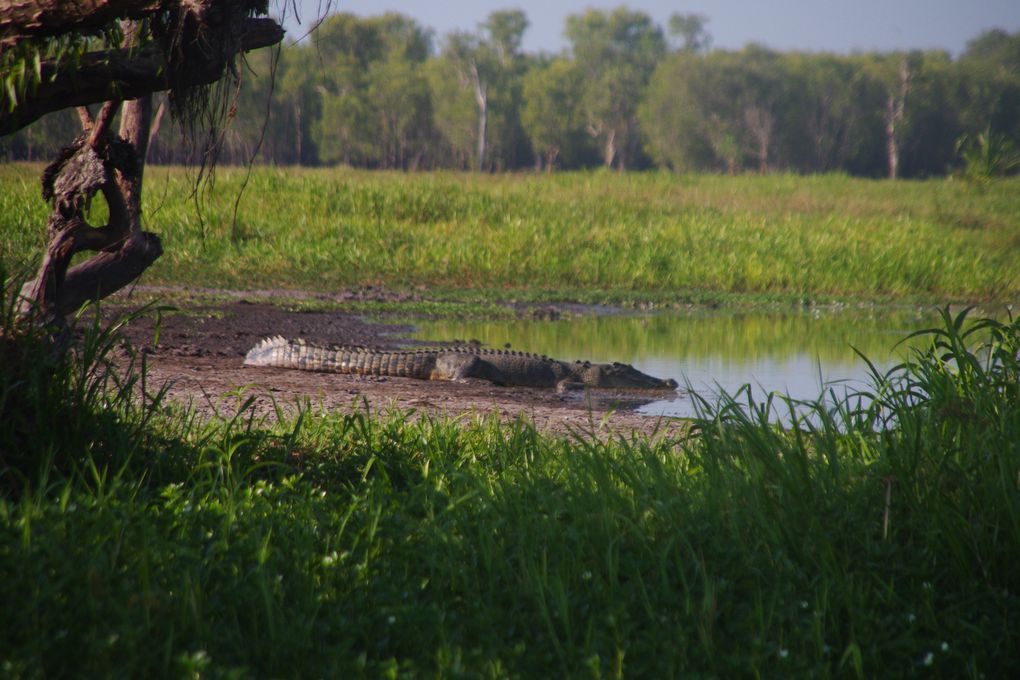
482, 100
894, 109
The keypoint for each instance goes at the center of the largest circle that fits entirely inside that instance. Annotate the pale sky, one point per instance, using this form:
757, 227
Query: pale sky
842, 26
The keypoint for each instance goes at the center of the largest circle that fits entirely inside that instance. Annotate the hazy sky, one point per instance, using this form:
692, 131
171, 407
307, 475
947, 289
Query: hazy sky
830, 25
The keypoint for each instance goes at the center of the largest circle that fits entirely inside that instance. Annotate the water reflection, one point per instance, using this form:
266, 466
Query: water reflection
795, 353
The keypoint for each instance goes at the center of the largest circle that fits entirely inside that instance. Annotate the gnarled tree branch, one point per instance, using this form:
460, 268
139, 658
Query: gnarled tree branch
124, 74
191, 43
21, 20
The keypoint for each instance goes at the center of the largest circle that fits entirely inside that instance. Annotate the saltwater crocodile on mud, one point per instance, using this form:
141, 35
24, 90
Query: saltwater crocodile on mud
459, 363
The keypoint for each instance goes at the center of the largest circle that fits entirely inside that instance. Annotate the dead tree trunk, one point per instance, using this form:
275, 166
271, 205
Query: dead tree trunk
482, 100
894, 110
760, 124
210, 33
96, 162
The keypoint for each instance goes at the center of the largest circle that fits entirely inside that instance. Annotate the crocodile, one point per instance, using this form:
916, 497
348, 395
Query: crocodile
458, 363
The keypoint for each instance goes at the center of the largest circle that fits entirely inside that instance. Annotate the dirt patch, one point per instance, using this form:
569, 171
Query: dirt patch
201, 348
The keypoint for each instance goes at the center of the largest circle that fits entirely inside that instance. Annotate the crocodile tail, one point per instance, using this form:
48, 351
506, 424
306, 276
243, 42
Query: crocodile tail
269, 352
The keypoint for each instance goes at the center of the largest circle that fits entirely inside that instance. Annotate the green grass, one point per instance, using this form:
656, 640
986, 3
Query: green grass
138, 540
874, 539
594, 235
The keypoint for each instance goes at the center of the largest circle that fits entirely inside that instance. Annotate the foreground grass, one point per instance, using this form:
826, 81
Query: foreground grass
136, 540
595, 235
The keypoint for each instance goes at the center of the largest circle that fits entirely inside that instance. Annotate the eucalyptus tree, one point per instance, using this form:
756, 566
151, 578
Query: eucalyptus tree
674, 119
484, 69
724, 110
373, 92
285, 88
56, 55
461, 115
401, 103
551, 112
503, 32
894, 73
617, 52
989, 77
345, 45
932, 124
692, 31
829, 125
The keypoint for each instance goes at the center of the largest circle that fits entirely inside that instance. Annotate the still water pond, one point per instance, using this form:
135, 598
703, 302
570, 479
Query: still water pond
795, 353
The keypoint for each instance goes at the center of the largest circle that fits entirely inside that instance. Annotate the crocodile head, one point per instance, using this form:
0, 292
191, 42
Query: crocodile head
621, 376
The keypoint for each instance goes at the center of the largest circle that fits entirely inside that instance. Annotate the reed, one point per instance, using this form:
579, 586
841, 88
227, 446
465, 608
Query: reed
661, 235
879, 536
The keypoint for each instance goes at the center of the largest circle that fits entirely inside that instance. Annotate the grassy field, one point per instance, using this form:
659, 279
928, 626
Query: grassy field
878, 538
579, 235
139, 541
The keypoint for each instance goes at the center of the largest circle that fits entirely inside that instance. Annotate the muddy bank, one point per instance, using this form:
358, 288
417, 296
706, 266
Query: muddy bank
202, 345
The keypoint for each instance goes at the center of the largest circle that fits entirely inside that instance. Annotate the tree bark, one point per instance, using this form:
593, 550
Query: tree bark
760, 124
609, 151
100, 161
123, 74
46, 18
894, 110
298, 134
550, 158
482, 100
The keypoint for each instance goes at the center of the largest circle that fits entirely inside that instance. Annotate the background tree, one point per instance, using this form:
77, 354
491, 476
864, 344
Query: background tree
374, 98
550, 114
460, 100
692, 31
894, 73
474, 67
281, 84
486, 67
931, 125
371, 92
502, 34
345, 47
826, 130
700, 112
989, 85
617, 52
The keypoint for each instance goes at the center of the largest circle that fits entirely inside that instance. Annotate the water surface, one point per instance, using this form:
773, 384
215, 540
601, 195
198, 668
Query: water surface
797, 353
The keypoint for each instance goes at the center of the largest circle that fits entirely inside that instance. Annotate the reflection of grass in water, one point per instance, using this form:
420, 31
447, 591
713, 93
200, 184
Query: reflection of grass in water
830, 337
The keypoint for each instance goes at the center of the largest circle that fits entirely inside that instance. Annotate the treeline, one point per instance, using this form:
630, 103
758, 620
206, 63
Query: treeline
376, 93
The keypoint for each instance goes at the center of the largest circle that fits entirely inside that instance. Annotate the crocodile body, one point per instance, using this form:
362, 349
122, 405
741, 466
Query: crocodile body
461, 363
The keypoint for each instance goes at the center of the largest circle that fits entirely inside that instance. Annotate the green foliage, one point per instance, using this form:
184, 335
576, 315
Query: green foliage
22, 63
690, 28
61, 410
757, 109
987, 156
990, 83
550, 115
372, 92
477, 93
650, 233
374, 102
878, 537
617, 52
